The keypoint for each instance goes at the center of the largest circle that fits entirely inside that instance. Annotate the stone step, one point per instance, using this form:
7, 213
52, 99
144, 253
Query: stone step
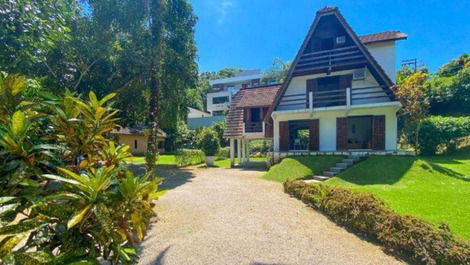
321, 178
348, 161
336, 169
329, 173
342, 165
313, 181
354, 157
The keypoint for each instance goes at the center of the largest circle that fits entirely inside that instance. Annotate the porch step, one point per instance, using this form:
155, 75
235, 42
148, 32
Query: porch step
321, 178
339, 167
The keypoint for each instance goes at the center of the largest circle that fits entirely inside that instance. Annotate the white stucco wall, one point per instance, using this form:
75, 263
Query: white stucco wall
385, 54
218, 107
328, 123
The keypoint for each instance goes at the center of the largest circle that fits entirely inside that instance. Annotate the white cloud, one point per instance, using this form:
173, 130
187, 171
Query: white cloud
223, 9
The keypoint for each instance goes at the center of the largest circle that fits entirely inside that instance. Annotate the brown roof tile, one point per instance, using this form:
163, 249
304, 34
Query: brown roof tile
250, 97
383, 36
259, 97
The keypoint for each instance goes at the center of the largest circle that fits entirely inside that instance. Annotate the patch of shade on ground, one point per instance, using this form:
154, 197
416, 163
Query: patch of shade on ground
436, 188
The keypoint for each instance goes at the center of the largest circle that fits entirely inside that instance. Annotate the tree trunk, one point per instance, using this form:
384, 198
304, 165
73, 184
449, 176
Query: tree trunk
153, 113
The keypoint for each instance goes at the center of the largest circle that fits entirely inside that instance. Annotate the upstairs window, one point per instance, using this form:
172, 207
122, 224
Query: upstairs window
328, 83
220, 100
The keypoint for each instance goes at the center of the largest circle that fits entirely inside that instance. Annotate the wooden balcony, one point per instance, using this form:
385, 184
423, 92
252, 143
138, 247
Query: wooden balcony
329, 60
253, 127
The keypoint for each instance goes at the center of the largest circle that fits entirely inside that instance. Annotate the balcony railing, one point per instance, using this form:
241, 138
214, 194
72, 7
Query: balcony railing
329, 98
253, 127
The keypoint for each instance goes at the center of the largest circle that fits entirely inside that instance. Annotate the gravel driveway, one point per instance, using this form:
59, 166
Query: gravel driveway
231, 216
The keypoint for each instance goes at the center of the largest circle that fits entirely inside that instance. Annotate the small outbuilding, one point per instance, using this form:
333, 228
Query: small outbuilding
136, 138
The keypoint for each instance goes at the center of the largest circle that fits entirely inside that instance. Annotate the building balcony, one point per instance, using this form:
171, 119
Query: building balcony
253, 127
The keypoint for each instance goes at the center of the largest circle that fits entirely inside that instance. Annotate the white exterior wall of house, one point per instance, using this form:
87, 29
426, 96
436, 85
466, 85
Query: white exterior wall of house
327, 121
385, 54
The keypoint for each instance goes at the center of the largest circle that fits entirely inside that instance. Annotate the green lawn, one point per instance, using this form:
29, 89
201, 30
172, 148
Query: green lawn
433, 188
225, 163
298, 167
167, 160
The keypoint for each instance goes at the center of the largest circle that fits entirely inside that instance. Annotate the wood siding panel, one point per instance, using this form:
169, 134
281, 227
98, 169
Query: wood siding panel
341, 133
314, 132
284, 135
378, 133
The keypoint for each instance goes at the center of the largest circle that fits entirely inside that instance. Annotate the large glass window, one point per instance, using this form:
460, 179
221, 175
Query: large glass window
299, 135
220, 100
360, 132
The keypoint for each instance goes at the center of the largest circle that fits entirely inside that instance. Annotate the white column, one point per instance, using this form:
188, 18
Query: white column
232, 152
310, 100
243, 151
348, 97
275, 135
247, 152
239, 150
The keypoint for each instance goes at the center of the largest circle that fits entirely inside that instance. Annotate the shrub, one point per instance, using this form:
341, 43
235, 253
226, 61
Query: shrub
260, 147
67, 196
186, 157
210, 143
223, 153
442, 133
366, 213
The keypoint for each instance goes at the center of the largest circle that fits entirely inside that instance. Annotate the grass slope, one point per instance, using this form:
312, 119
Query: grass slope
298, 167
433, 188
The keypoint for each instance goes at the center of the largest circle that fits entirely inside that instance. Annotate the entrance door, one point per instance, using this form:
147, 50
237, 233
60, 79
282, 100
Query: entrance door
359, 132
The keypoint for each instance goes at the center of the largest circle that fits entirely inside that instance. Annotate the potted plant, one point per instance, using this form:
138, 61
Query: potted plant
210, 146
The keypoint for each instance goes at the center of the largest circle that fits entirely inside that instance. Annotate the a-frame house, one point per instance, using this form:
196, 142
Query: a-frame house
337, 95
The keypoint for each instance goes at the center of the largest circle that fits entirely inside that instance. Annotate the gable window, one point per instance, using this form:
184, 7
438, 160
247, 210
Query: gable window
135, 144
220, 100
340, 40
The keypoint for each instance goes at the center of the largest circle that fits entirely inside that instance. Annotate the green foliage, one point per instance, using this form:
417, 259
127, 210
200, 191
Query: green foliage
441, 134
223, 153
260, 147
67, 195
186, 157
366, 213
299, 167
210, 143
449, 88
30, 29
277, 72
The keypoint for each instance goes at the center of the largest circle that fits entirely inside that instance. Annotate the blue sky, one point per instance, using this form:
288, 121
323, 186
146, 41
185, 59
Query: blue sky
251, 33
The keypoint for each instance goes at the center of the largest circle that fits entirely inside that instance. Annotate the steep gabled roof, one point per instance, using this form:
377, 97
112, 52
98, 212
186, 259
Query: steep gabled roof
383, 36
262, 96
375, 68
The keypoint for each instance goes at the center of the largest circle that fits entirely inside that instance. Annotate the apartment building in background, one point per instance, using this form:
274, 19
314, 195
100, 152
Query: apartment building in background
220, 96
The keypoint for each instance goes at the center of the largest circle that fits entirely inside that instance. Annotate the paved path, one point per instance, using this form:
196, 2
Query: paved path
231, 216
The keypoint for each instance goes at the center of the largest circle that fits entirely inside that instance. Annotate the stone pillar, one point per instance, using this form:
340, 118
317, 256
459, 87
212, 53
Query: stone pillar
239, 150
232, 152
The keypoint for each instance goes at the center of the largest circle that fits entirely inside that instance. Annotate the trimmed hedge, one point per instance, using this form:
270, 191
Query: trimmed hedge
186, 157
368, 214
442, 133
